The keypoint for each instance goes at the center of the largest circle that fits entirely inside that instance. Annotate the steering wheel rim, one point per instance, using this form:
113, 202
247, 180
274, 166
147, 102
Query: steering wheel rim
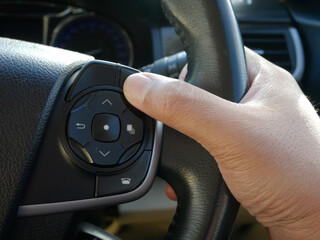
216, 63
218, 55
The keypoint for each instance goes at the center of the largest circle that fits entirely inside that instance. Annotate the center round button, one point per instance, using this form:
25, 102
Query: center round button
105, 127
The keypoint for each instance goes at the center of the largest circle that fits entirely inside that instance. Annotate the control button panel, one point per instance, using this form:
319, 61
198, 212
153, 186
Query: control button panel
105, 135
96, 140
103, 130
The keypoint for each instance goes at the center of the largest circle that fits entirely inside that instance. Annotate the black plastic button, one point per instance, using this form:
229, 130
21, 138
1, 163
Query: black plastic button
80, 151
105, 154
83, 101
79, 125
93, 74
107, 102
105, 128
129, 153
131, 128
124, 73
125, 181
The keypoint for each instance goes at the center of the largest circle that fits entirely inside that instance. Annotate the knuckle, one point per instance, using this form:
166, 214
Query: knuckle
171, 100
168, 100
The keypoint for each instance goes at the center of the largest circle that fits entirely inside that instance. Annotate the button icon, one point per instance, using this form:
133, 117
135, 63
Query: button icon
106, 127
107, 101
125, 181
104, 154
80, 126
130, 129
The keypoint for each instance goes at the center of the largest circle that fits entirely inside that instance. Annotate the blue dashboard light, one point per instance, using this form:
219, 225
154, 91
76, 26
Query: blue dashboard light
94, 36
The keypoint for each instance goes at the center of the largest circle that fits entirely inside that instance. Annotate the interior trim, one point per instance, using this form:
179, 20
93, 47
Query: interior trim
298, 48
69, 206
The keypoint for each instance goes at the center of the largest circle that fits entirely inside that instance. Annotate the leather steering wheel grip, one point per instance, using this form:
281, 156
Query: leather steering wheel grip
209, 32
30, 78
216, 63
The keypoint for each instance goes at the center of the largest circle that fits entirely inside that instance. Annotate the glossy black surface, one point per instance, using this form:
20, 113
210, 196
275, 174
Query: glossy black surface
99, 72
106, 127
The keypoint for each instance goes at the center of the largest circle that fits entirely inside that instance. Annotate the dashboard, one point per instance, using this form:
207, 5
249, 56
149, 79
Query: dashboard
104, 36
135, 33
95, 36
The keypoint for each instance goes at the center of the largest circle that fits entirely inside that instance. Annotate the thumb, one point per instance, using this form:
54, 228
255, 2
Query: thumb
180, 105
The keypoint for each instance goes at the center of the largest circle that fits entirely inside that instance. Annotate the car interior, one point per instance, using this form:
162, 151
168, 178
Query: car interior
50, 198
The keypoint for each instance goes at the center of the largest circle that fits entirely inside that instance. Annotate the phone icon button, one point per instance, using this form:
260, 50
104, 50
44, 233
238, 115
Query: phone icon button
126, 181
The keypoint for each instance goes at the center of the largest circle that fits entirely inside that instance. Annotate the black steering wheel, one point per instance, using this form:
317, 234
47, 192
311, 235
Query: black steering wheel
34, 79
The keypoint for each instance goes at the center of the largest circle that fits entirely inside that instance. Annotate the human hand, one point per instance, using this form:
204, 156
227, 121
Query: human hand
267, 146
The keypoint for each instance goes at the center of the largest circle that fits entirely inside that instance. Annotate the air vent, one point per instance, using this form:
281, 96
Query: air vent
273, 47
280, 45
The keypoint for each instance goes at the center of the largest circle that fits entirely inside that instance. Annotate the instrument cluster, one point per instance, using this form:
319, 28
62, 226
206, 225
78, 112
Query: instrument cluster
111, 36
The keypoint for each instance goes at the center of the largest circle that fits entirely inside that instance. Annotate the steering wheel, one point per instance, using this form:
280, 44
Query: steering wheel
34, 79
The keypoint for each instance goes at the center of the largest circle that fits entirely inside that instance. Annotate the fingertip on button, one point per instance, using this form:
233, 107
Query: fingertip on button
125, 73
136, 87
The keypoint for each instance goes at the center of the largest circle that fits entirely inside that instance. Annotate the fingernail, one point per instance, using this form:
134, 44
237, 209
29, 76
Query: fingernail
135, 88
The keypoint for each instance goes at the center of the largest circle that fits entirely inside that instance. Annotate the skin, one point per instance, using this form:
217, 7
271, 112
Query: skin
267, 146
